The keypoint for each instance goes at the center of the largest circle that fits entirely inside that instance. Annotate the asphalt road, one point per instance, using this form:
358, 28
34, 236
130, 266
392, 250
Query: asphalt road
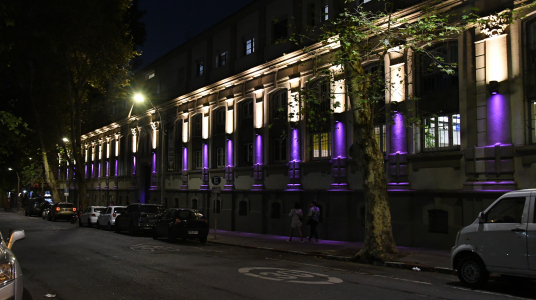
79, 263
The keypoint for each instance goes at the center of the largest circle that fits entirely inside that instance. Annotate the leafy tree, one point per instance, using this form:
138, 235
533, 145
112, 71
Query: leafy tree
352, 39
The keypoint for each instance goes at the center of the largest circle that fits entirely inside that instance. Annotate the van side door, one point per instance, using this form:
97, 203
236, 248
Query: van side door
503, 236
531, 233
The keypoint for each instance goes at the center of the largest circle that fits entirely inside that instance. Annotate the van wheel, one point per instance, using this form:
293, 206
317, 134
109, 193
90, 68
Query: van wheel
472, 272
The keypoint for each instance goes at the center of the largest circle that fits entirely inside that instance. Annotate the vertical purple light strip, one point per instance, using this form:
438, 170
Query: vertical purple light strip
133, 164
74, 172
92, 171
67, 174
85, 170
107, 168
295, 143
205, 155
185, 158
398, 134
258, 149
497, 120
154, 162
229, 153
339, 143
99, 169
116, 167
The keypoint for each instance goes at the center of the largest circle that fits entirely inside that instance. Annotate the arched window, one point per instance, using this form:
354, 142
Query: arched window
318, 96
243, 208
279, 106
197, 125
275, 212
218, 138
278, 126
245, 147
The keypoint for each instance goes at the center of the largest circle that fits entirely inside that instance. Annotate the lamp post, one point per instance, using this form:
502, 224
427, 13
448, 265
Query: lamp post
18, 189
140, 98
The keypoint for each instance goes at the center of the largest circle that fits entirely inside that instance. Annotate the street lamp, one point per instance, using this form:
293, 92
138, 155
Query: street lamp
140, 98
18, 189
65, 139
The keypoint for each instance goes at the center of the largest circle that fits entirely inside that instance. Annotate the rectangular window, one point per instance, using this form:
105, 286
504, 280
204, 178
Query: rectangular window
279, 30
198, 160
247, 154
280, 149
150, 75
247, 113
221, 60
441, 133
200, 68
325, 13
379, 135
220, 157
250, 46
321, 145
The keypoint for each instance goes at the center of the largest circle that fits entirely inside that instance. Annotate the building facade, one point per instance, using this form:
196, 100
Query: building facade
222, 111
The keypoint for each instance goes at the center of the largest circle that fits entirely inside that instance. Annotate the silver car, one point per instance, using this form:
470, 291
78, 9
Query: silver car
10, 271
107, 218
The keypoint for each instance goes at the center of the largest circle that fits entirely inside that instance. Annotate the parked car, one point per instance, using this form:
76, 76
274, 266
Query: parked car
107, 218
33, 206
90, 214
11, 273
181, 223
501, 240
137, 218
61, 211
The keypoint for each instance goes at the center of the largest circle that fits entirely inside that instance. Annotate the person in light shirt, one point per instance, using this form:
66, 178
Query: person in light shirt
296, 214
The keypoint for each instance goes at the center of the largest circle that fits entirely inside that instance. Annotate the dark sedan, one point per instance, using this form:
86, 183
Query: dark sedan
33, 206
181, 223
137, 218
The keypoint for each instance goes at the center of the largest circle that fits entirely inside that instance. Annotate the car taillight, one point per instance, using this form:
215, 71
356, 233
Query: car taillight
74, 208
177, 221
93, 215
57, 209
114, 215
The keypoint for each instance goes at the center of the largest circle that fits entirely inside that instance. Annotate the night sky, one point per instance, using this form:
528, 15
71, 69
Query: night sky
169, 23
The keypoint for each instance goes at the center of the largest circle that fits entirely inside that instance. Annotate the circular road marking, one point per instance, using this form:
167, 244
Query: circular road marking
294, 276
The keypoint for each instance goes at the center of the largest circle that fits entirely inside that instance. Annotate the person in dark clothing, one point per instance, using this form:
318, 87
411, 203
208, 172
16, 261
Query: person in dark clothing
314, 214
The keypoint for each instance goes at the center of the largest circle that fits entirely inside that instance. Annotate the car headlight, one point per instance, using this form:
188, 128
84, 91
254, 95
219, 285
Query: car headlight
7, 271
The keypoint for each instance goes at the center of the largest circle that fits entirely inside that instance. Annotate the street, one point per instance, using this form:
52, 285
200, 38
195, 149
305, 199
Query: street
75, 262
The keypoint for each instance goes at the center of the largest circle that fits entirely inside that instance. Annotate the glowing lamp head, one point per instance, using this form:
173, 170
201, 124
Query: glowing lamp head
139, 98
65, 139
10, 169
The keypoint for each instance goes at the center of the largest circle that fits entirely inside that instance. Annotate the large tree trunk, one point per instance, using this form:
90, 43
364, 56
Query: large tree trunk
379, 244
76, 124
49, 175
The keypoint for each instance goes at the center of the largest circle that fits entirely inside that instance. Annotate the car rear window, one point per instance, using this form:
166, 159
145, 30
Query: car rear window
99, 209
119, 210
66, 205
151, 209
185, 214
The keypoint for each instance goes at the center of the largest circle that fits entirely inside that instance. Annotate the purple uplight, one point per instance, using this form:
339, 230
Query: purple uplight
185, 158
497, 120
99, 169
295, 144
92, 170
229, 153
398, 134
133, 165
116, 167
67, 175
154, 162
339, 141
258, 149
205, 155
85, 170
107, 168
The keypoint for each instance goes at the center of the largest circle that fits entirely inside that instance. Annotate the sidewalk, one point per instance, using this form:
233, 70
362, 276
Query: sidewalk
430, 260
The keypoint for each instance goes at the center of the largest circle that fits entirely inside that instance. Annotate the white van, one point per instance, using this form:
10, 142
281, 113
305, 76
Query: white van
501, 240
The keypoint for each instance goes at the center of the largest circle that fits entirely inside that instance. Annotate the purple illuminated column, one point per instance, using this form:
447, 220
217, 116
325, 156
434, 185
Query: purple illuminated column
92, 170
398, 134
498, 131
184, 175
338, 161
257, 168
204, 171
154, 181
85, 170
99, 169
294, 163
67, 173
229, 185
107, 168
133, 164
116, 167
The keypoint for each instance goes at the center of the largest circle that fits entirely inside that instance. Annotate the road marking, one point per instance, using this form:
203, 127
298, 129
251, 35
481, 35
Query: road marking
152, 248
294, 276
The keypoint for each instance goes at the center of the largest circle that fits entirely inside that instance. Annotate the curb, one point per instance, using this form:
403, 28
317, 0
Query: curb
389, 264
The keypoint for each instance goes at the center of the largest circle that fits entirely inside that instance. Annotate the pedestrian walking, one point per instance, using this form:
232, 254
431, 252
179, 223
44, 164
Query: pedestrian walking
314, 215
296, 214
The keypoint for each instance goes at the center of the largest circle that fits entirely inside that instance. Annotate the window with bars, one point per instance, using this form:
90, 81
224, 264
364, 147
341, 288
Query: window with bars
441, 133
380, 136
325, 12
321, 145
246, 112
279, 106
197, 125
219, 121
247, 154
249, 46
198, 159
279, 149
220, 157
